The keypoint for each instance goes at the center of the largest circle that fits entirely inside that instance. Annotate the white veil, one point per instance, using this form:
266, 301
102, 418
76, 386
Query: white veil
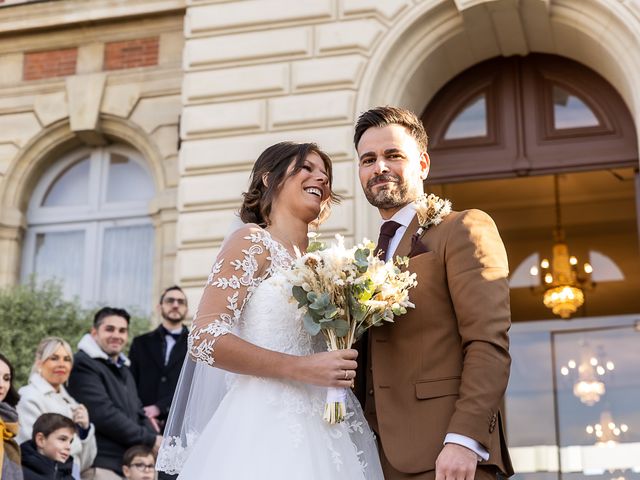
199, 391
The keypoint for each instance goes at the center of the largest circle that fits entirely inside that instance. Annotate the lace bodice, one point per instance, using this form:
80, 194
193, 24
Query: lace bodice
271, 318
248, 294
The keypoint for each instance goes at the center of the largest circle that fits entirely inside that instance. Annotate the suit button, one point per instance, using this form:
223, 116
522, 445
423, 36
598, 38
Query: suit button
371, 392
163, 379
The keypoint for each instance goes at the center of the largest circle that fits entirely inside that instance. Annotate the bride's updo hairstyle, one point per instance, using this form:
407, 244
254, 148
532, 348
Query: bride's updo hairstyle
270, 171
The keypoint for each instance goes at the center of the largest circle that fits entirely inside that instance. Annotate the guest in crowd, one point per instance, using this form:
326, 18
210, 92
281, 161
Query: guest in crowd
157, 357
10, 468
47, 456
138, 463
102, 381
45, 393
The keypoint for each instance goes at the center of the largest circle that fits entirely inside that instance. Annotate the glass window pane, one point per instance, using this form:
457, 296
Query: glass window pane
127, 181
127, 261
530, 390
471, 121
570, 111
54, 261
571, 403
71, 187
598, 392
526, 274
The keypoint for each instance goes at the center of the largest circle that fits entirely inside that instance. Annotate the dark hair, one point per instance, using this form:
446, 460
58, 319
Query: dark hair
137, 451
47, 423
168, 289
274, 162
12, 397
384, 116
107, 312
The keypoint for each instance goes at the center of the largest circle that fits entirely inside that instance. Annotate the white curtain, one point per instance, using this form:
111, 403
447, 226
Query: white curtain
127, 261
60, 256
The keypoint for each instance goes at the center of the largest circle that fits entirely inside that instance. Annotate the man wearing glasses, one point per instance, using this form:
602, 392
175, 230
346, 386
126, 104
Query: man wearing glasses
156, 357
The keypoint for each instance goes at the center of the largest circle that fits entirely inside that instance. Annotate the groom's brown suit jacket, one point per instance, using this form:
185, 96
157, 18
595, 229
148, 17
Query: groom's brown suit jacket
443, 367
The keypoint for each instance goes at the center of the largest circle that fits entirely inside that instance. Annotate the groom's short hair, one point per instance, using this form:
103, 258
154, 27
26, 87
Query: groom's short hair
384, 116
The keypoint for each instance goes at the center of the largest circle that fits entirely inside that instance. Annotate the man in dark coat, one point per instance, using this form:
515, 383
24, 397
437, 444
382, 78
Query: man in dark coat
156, 357
101, 380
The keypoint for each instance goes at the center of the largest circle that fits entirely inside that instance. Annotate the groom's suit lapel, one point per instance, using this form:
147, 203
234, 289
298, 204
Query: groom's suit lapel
407, 247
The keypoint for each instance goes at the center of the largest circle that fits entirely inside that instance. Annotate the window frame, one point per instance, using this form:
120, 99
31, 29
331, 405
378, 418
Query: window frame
520, 115
492, 128
92, 219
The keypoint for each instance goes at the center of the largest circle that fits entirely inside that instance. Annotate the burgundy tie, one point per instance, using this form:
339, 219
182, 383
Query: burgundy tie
387, 231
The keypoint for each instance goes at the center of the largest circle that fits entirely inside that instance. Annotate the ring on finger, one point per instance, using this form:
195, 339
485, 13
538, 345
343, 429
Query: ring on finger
346, 374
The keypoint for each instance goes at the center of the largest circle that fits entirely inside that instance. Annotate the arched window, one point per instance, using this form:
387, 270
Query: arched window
526, 275
471, 121
517, 116
89, 228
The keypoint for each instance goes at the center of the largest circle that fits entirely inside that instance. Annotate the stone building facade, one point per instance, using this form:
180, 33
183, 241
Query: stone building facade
80, 76
237, 76
186, 93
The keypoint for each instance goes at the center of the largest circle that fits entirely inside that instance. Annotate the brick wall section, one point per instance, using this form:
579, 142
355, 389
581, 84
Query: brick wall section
16, 2
141, 52
50, 63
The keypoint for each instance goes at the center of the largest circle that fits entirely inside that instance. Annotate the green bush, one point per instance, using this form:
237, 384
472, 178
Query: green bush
29, 312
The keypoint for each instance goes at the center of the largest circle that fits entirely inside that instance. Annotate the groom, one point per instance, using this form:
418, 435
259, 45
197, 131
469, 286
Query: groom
435, 378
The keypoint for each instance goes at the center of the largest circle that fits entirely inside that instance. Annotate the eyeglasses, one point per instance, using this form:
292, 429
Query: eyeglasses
141, 467
171, 300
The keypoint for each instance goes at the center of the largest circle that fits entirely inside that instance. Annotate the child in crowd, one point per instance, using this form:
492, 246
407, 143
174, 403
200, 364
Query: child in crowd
139, 463
46, 456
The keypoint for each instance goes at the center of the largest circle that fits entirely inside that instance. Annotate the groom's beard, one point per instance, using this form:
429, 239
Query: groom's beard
398, 194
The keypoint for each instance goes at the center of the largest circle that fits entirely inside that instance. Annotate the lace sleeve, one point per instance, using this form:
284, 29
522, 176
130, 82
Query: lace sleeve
241, 265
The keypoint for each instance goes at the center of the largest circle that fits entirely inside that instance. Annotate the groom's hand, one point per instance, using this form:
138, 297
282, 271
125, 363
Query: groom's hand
456, 462
329, 369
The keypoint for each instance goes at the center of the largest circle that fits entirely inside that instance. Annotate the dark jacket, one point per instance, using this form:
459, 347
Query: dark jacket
36, 466
156, 381
109, 393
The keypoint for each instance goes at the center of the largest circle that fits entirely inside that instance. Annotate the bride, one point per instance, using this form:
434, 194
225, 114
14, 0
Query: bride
251, 395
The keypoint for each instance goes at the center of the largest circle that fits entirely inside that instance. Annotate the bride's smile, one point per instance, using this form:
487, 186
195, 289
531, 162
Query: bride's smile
304, 192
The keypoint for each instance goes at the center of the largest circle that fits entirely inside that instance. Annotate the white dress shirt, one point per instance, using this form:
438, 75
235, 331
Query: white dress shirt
404, 217
171, 342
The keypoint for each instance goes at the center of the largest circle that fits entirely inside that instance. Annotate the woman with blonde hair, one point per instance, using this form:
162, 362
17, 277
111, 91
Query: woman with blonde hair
45, 393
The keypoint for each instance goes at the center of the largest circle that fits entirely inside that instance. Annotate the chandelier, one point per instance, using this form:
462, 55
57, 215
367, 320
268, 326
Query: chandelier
607, 432
588, 385
562, 284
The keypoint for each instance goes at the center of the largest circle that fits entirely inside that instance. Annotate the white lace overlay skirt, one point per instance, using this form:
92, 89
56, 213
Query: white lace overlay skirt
271, 429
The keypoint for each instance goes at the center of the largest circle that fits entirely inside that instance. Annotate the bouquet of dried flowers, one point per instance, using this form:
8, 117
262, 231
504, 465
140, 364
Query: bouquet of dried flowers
343, 292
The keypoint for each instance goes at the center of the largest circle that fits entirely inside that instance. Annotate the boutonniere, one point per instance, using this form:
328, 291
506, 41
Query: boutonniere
430, 210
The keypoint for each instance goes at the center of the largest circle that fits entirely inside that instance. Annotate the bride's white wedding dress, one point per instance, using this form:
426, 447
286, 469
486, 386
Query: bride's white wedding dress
264, 428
